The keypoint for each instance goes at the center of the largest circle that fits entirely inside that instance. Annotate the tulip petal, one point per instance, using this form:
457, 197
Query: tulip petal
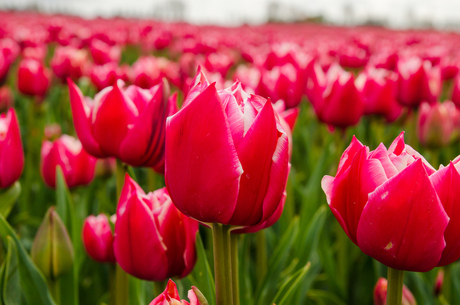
202, 166
235, 117
348, 155
11, 152
403, 223
81, 113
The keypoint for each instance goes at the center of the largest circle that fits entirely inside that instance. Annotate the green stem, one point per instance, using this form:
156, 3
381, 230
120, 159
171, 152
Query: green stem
261, 255
235, 273
395, 286
55, 290
159, 287
447, 284
222, 264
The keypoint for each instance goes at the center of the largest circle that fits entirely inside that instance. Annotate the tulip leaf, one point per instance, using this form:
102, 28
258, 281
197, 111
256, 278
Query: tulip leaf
289, 285
201, 276
10, 281
65, 209
324, 297
8, 198
33, 284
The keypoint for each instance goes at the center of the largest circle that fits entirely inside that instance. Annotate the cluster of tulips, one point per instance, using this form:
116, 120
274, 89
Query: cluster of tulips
203, 117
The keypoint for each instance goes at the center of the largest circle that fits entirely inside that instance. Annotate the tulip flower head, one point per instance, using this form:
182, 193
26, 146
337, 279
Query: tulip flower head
153, 240
11, 152
6, 98
98, 238
380, 294
227, 156
33, 77
171, 296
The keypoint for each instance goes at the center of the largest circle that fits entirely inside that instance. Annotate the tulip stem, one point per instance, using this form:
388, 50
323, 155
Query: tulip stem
235, 274
395, 286
121, 286
55, 290
447, 284
261, 255
222, 264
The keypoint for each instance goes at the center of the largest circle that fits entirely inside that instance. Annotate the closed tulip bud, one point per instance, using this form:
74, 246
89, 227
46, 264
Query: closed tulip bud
52, 250
241, 180
153, 240
37, 52
69, 62
146, 72
438, 282
103, 53
104, 75
52, 131
171, 296
128, 124
374, 198
219, 62
380, 294
11, 153
67, 152
436, 123
33, 78
98, 238
6, 98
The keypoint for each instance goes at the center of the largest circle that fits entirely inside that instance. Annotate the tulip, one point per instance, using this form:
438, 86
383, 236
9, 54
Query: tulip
456, 92
436, 123
105, 75
52, 250
4, 68
334, 96
128, 124
146, 72
418, 82
352, 56
52, 131
33, 78
103, 53
37, 52
67, 152
98, 239
438, 283
171, 296
69, 62
379, 90
236, 176
398, 222
219, 62
11, 152
6, 98
106, 167
153, 240
380, 294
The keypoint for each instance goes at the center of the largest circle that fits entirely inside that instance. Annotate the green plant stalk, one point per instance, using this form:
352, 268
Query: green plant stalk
261, 255
395, 286
235, 265
447, 284
121, 277
55, 290
222, 264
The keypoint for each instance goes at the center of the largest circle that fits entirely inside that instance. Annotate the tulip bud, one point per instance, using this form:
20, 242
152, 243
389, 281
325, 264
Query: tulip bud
171, 296
69, 62
33, 77
438, 282
6, 98
11, 153
98, 238
103, 53
52, 250
380, 294
52, 131
105, 167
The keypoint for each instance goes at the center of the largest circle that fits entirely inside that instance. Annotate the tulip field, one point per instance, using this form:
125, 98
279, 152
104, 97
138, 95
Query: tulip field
145, 162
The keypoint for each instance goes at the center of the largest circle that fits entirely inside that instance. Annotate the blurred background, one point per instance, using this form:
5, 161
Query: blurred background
442, 14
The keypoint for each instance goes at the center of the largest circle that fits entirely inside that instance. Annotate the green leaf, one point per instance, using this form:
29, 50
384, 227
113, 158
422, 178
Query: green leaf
10, 281
201, 276
310, 237
33, 284
289, 285
325, 297
8, 198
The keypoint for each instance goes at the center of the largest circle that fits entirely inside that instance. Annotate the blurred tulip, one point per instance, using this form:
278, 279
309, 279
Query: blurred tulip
438, 283
105, 75
6, 98
69, 62
106, 167
11, 152
246, 169
67, 152
33, 78
436, 123
146, 72
171, 296
380, 294
52, 131
153, 240
352, 56
456, 92
103, 53
4, 68
128, 124
389, 217
52, 250
38, 53
379, 88
418, 82
98, 239
219, 62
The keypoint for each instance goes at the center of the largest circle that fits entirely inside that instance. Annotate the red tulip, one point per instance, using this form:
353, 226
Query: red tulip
171, 296
236, 176
6, 98
219, 62
392, 219
98, 239
67, 152
438, 283
11, 153
4, 68
456, 92
146, 72
352, 56
380, 294
379, 88
105, 75
128, 124
33, 77
418, 82
153, 240
69, 62
103, 53
436, 123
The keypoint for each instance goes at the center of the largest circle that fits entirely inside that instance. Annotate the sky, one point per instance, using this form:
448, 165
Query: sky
394, 13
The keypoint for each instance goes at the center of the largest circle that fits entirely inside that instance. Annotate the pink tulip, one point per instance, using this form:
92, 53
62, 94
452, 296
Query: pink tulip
236, 176
6, 98
33, 78
105, 75
146, 72
128, 124
171, 296
392, 219
153, 240
103, 53
67, 152
69, 62
380, 294
98, 239
11, 153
